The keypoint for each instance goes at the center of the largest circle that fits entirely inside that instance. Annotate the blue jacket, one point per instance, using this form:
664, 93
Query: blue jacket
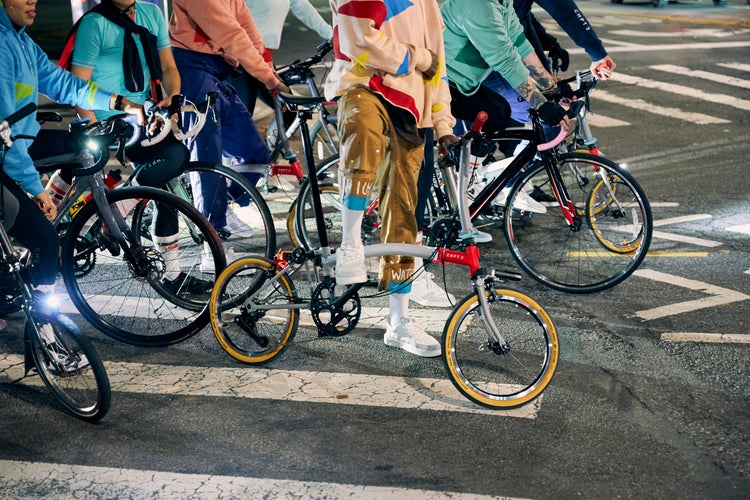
570, 18
25, 72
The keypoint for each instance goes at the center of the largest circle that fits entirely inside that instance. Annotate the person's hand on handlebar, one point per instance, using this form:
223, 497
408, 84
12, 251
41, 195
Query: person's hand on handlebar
44, 201
603, 68
447, 140
121, 103
553, 114
281, 88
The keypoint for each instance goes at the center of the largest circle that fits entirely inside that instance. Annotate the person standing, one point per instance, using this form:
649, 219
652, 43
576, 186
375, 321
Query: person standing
211, 41
124, 45
388, 74
269, 16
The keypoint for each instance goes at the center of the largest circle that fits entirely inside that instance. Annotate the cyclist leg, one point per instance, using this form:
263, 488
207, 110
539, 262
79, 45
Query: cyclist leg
199, 75
32, 229
155, 166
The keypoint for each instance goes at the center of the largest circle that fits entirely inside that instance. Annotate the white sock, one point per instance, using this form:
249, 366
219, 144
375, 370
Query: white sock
399, 306
418, 262
168, 246
351, 226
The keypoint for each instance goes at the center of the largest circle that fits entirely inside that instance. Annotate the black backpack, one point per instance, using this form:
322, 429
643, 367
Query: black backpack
131, 61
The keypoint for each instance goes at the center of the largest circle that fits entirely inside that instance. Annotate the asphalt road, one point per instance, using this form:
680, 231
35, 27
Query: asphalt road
650, 399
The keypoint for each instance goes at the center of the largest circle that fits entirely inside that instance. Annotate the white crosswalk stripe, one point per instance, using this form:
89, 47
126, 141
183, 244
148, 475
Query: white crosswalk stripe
642, 105
736, 66
283, 385
705, 75
683, 90
76, 481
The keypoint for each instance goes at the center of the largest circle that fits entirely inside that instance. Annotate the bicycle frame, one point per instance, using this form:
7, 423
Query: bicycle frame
86, 178
470, 257
536, 146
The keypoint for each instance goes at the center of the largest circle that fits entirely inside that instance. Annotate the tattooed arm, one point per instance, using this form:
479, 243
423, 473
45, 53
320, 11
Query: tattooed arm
539, 80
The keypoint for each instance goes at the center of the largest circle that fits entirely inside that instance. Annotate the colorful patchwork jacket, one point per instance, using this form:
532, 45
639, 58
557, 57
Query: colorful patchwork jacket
384, 45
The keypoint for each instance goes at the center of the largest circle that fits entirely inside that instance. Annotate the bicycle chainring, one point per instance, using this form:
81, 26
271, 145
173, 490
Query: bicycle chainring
333, 320
444, 233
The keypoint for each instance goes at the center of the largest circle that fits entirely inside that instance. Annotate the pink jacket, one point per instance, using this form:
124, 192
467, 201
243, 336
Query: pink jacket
222, 27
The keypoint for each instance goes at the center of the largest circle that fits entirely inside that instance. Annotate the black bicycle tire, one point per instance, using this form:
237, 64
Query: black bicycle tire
332, 121
253, 193
90, 413
185, 327
583, 250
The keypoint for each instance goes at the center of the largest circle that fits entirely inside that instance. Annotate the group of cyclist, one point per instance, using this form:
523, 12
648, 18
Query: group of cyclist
402, 71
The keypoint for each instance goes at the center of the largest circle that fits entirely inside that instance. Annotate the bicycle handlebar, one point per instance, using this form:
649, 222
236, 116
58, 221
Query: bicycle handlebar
479, 121
554, 142
5, 125
172, 116
19, 114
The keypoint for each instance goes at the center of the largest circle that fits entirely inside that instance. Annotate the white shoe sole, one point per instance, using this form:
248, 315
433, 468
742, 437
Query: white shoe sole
412, 349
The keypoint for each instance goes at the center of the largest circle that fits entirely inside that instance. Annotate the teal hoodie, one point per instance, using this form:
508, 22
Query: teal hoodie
25, 72
481, 36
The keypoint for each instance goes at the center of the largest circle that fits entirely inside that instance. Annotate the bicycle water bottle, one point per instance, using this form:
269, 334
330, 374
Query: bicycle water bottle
56, 188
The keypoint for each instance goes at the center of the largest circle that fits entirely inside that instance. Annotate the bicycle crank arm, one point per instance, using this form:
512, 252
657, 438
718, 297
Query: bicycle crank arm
250, 330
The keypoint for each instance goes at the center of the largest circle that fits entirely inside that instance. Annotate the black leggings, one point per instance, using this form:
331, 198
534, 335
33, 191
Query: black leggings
32, 229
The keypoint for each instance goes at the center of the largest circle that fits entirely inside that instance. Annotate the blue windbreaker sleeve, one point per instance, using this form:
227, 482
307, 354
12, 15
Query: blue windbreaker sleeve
62, 86
571, 19
17, 164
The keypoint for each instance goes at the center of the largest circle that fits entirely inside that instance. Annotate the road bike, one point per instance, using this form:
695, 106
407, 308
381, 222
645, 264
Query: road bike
54, 346
252, 229
499, 346
121, 277
576, 222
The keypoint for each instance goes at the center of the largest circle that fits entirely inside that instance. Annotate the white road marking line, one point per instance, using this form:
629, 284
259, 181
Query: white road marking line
735, 65
705, 75
133, 307
694, 32
713, 338
664, 204
679, 220
640, 104
605, 121
284, 385
744, 228
683, 91
18, 478
719, 296
663, 47
686, 239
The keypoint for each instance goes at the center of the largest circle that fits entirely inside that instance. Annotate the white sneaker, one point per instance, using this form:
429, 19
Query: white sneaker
524, 202
409, 337
425, 292
236, 227
481, 236
350, 265
207, 259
